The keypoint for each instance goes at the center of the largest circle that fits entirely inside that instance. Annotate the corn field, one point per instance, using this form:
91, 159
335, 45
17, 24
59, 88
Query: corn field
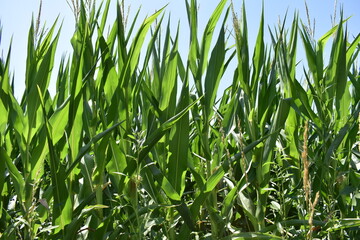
138, 143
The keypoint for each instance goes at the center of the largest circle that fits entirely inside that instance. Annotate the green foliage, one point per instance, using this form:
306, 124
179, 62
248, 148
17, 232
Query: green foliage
129, 149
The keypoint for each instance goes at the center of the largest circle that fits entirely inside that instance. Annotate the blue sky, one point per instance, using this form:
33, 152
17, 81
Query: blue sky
15, 17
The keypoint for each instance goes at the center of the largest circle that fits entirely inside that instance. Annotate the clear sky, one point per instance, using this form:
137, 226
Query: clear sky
15, 17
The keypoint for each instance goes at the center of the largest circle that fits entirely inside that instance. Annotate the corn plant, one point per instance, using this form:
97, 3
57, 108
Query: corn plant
139, 143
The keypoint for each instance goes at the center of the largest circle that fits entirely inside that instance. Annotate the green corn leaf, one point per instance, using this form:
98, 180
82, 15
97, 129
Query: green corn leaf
207, 36
181, 68
229, 201
159, 133
135, 49
292, 47
2, 180
151, 52
333, 68
132, 26
3, 117
62, 207
317, 100
40, 78
151, 99
109, 78
214, 179
306, 103
199, 179
242, 50
98, 175
4, 74
179, 142
19, 122
31, 56
186, 215
310, 54
259, 54
194, 51
38, 156
79, 67
343, 98
47, 50
218, 174
152, 187
215, 217
86, 148
18, 180
336, 143
104, 16
350, 51
170, 76
87, 166
252, 235
171, 193
119, 132
120, 32
76, 74
166, 186
62, 84
279, 120
293, 222
214, 72
75, 225
118, 162
58, 121
344, 224
75, 135
249, 208
163, 50
229, 116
